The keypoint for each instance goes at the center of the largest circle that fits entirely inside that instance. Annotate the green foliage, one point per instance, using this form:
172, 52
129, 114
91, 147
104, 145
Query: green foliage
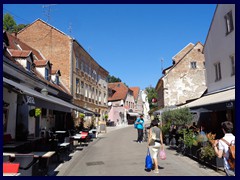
81, 115
166, 127
207, 151
105, 116
19, 27
8, 22
37, 112
189, 137
112, 79
151, 94
10, 25
179, 117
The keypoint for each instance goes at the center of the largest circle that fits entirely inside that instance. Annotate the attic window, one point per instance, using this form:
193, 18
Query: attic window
118, 85
28, 66
57, 80
194, 65
46, 73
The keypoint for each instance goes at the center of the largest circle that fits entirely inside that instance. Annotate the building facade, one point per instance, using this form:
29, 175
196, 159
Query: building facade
84, 78
185, 79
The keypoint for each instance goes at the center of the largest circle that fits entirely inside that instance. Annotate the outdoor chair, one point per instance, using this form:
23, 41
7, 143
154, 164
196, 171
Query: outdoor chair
28, 165
10, 167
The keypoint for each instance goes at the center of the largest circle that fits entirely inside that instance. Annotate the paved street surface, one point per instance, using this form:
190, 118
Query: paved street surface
117, 154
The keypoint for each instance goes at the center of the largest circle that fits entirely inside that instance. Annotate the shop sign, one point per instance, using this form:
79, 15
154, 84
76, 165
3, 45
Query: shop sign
30, 100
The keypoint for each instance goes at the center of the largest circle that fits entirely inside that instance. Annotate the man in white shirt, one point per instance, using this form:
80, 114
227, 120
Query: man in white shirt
221, 148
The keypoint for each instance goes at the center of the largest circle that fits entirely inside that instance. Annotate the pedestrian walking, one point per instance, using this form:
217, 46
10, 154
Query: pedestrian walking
221, 148
155, 132
139, 126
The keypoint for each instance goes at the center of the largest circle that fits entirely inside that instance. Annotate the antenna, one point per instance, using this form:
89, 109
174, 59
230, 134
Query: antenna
70, 29
162, 64
47, 11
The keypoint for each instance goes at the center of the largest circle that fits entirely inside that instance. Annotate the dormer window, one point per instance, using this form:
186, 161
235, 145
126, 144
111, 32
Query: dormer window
57, 80
28, 66
46, 73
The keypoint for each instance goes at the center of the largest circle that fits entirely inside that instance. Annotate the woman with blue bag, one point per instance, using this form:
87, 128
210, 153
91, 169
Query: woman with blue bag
155, 141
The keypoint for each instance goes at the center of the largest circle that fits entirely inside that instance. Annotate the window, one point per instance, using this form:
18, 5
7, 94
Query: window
57, 79
229, 22
90, 92
86, 90
77, 86
194, 65
232, 65
28, 65
46, 73
218, 71
77, 63
93, 92
82, 88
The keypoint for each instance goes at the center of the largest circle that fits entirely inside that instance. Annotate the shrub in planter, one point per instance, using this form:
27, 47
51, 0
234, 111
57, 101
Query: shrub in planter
207, 152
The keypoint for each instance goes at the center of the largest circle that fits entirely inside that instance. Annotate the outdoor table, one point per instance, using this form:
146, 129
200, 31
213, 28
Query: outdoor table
76, 137
36, 154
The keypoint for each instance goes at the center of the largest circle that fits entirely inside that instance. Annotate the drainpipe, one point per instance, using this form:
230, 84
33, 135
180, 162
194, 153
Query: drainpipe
71, 66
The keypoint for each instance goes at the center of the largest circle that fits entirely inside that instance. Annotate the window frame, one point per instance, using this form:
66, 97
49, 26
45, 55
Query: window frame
218, 74
229, 22
232, 59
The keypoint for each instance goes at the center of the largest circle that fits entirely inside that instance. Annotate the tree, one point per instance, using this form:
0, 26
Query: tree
112, 79
19, 27
151, 94
9, 23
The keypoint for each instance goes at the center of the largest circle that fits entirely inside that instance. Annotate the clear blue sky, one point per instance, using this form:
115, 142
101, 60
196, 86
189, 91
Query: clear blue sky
128, 40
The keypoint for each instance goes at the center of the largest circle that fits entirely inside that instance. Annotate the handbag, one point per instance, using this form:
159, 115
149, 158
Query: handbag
148, 161
162, 154
152, 139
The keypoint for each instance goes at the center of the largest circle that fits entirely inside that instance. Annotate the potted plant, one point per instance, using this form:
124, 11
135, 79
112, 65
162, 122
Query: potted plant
207, 153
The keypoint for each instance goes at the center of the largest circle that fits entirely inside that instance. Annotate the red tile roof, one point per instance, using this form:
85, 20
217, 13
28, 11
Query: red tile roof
13, 47
19, 53
14, 42
120, 89
136, 91
41, 63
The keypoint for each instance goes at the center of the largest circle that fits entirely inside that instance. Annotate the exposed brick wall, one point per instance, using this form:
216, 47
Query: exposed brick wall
54, 45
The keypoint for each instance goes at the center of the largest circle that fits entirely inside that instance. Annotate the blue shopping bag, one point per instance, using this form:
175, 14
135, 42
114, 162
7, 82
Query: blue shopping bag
148, 161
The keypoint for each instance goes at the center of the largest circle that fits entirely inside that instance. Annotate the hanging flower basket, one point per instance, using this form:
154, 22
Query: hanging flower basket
35, 112
38, 112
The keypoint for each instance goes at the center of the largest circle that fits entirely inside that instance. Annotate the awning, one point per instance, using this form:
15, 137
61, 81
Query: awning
133, 114
219, 97
45, 101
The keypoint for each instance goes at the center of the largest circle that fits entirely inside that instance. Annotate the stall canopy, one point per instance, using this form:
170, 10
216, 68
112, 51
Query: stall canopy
219, 97
35, 98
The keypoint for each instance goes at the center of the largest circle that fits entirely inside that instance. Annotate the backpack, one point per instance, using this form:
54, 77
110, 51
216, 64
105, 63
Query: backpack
231, 150
135, 125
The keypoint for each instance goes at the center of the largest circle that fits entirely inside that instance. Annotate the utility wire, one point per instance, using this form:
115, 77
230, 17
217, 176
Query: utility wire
28, 21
